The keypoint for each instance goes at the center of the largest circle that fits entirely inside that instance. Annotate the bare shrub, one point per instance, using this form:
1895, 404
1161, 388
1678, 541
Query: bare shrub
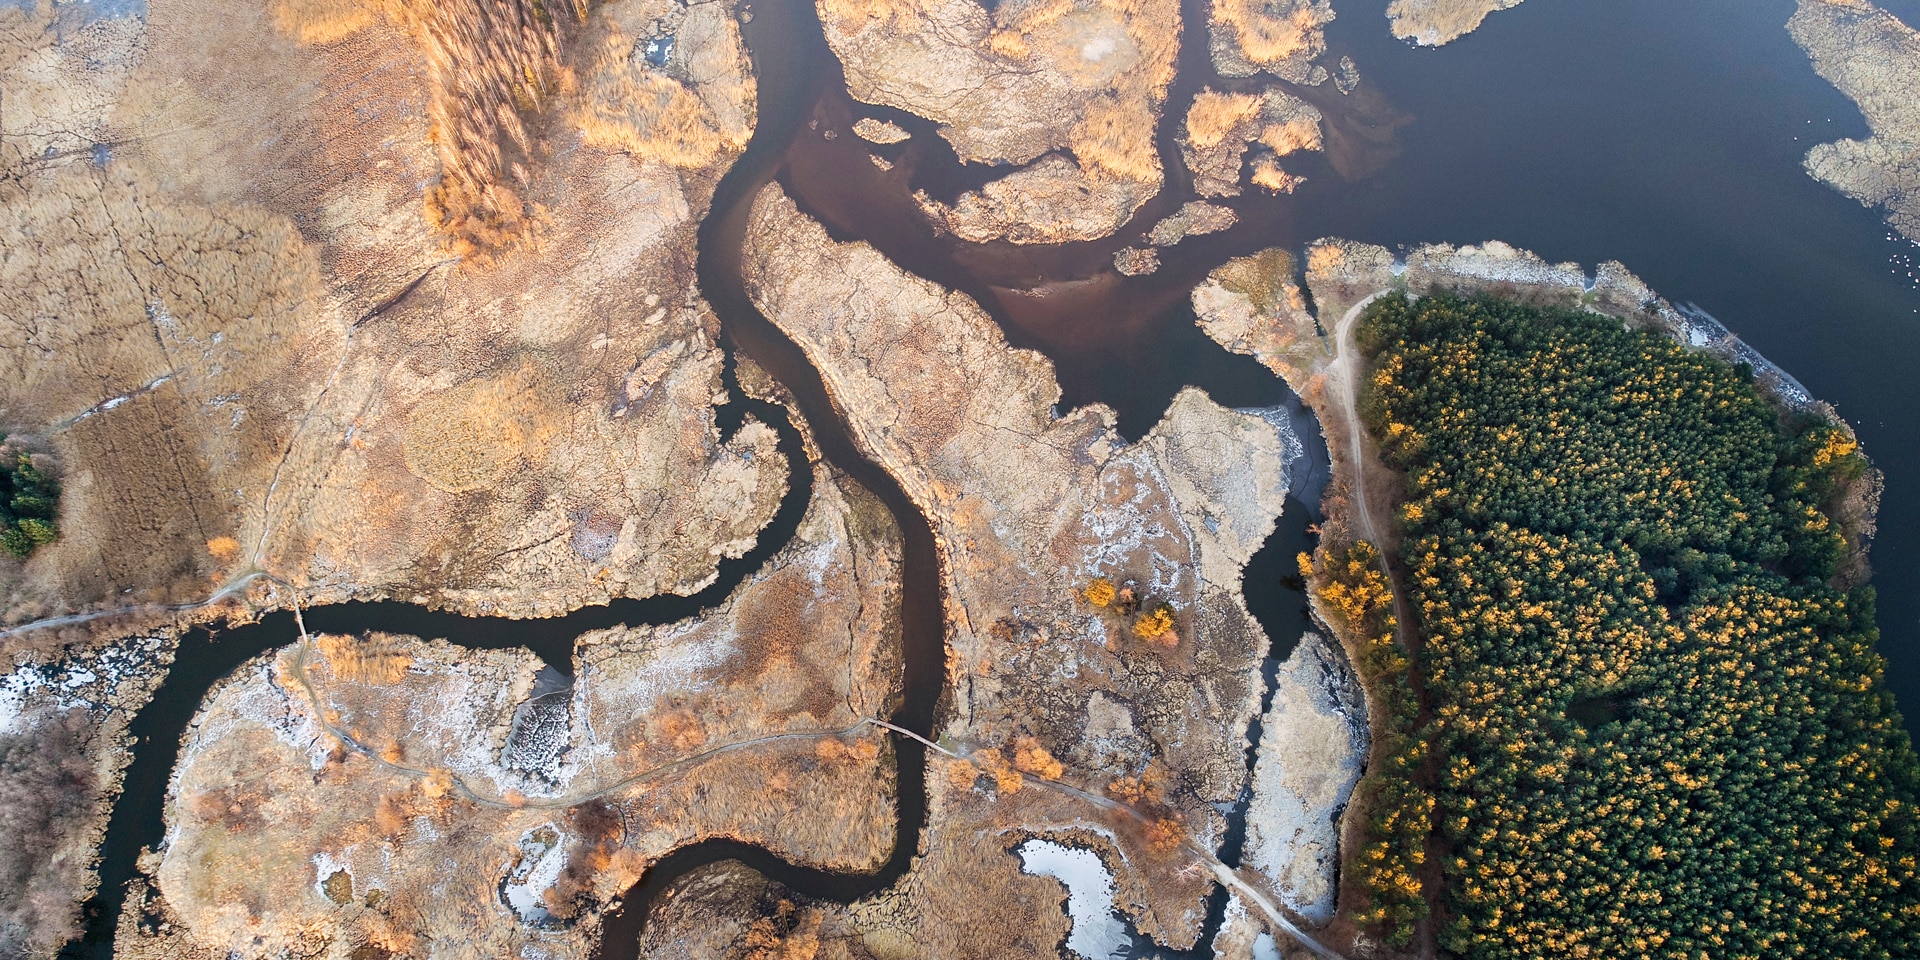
47, 791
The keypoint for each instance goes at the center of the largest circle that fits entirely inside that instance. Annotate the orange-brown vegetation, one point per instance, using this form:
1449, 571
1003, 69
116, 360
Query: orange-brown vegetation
463, 438
1156, 626
120, 308
863, 750
1149, 788
790, 934
649, 114
962, 774
493, 65
374, 658
224, 550
1215, 114
683, 730
1164, 835
1268, 175
1299, 133
1265, 37
1115, 138
1030, 757
1006, 779
1099, 591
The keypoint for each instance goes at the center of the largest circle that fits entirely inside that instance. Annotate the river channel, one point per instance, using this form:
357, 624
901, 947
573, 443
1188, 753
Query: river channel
1662, 133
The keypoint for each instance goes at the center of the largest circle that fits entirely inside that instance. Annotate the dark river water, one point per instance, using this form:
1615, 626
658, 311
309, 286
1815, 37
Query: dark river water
1666, 134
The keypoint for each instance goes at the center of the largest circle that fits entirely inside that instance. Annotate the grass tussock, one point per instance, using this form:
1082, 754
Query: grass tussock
1267, 38
493, 67
376, 659
1217, 115
651, 115
464, 438
1268, 175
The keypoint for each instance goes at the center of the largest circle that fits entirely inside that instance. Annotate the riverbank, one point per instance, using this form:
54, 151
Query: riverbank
1256, 306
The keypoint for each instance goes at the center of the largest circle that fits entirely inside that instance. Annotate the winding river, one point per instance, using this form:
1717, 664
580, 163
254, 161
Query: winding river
1558, 127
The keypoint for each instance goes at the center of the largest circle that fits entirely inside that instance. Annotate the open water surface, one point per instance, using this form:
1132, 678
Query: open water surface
1666, 134
1663, 133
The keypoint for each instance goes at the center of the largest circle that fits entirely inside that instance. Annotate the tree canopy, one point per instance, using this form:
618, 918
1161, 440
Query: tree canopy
29, 504
1660, 730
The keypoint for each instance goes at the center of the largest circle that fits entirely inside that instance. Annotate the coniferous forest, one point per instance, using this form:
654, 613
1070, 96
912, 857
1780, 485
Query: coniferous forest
1656, 717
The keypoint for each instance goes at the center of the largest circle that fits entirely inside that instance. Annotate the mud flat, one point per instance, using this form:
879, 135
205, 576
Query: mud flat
1431, 23
1874, 59
1087, 77
497, 401
325, 788
1031, 510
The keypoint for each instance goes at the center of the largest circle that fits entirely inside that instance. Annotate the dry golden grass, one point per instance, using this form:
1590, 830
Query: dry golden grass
464, 438
649, 114
1115, 138
123, 313
1215, 115
1030, 757
1298, 134
493, 65
1264, 38
377, 659
1268, 176
324, 21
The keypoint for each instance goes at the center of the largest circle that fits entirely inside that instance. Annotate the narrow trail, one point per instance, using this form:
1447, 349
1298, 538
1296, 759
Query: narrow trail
1345, 369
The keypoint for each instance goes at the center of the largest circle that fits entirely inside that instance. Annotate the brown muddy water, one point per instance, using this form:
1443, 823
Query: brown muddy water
1663, 133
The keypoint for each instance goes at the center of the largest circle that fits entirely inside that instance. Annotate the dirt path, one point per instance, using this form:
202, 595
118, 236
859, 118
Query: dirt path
1345, 371
1228, 876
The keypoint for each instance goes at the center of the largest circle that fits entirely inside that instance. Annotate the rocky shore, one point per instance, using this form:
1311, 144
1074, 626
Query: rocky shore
1431, 23
1874, 59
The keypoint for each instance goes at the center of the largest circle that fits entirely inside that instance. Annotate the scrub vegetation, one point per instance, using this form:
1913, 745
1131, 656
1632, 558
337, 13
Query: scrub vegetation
1396, 810
47, 786
29, 503
1659, 723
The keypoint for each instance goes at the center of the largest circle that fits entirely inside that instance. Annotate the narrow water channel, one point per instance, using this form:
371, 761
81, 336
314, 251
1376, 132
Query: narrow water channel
1625, 131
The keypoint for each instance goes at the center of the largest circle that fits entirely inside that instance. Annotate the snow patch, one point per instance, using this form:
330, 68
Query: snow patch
1097, 932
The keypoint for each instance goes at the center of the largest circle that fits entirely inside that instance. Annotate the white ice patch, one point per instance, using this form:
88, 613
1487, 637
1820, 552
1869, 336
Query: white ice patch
324, 867
1097, 931
1264, 948
1097, 48
89, 680
542, 856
